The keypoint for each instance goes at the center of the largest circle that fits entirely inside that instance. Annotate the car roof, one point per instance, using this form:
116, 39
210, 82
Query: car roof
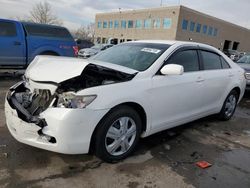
174, 42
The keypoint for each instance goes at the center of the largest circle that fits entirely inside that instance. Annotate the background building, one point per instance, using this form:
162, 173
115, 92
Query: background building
171, 23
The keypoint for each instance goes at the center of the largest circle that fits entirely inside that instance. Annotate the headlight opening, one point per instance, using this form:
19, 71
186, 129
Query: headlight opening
70, 100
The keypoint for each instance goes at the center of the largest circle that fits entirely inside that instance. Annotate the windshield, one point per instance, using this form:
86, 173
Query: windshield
137, 56
244, 59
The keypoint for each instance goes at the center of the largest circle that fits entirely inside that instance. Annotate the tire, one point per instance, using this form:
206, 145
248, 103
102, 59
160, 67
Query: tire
229, 106
113, 142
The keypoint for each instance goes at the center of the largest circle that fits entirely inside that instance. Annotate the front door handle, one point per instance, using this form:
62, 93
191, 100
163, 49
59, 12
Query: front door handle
17, 43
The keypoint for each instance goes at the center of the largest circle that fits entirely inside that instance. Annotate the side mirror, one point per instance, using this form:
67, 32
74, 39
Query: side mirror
172, 69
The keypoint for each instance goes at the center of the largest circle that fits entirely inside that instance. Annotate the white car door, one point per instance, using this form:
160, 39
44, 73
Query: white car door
217, 77
176, 98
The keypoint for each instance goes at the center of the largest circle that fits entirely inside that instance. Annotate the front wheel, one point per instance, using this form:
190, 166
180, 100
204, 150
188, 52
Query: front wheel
118, 134
229, 106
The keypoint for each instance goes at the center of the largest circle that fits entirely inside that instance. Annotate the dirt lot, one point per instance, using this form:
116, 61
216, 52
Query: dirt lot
163, 160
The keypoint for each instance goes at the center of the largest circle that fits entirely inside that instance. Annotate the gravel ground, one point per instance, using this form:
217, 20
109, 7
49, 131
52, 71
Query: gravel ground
164, 160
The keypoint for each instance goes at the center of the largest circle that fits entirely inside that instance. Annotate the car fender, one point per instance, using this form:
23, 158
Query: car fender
110, 96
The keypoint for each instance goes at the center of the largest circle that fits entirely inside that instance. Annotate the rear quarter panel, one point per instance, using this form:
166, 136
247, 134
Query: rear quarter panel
38, 45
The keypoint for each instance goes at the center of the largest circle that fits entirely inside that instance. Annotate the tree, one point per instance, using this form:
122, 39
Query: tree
85, 32
42, 13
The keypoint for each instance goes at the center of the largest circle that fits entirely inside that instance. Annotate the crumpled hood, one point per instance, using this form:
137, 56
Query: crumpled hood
58, 69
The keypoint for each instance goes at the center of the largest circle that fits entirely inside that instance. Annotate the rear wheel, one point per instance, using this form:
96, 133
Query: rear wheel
229, 106
118, 134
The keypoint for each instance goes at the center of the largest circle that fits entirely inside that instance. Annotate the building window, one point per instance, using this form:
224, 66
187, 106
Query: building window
184, 24
110, 24
130, 24
157, 23
210, 31
215, 32
167, 23
116, 24
198, 28
138, 24
147, 23
105, 24
123, 24
204, 29
192, 26
99, 24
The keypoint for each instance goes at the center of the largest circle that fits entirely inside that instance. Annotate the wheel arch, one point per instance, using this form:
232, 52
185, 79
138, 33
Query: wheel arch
238, 90
137, 107
49, 52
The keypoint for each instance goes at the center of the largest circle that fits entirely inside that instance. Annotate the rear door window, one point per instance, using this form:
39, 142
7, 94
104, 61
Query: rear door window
188, 59
211, 61
7, 29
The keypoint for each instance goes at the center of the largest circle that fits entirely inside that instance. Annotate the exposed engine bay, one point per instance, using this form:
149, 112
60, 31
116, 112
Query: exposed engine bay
30, 104
92, 76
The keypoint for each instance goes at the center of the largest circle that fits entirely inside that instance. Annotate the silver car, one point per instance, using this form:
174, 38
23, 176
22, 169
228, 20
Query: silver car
88, 52
244, 63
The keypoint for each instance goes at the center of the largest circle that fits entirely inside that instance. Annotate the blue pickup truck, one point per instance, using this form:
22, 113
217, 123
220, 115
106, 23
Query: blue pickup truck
20, 42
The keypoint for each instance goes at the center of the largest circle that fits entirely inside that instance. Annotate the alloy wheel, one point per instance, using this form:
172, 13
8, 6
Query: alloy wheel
230, 105
120, 136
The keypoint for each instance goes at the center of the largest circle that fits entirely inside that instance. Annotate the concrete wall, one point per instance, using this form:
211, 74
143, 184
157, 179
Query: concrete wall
136, 33
226, 30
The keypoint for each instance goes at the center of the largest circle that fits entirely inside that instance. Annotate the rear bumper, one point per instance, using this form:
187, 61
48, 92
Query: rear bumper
71, 129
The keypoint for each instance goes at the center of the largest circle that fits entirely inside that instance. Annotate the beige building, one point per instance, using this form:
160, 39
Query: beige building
170, 23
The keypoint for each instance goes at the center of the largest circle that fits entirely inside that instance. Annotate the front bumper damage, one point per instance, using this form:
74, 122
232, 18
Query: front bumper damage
60, 130
22, 113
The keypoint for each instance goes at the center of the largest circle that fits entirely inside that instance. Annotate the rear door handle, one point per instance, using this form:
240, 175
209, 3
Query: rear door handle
17, 43
231, 75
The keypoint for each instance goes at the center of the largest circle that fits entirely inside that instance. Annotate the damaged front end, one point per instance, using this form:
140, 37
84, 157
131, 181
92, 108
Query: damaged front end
31, 98
29, 105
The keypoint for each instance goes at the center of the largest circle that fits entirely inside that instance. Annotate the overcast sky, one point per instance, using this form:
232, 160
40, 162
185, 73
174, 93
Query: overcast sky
74, 13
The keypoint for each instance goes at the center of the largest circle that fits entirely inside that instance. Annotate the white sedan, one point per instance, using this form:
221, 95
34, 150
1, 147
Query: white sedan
132, 90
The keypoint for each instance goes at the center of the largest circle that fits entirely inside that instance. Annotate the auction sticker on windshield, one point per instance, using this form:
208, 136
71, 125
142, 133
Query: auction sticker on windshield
151, 50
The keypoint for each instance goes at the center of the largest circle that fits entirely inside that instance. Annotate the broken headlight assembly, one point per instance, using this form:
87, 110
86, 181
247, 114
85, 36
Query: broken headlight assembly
70, 100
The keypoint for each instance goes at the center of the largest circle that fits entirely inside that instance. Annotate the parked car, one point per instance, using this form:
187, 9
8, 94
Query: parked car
81, 43
88, 52
244, 62
21, 42
132, 90
232, 54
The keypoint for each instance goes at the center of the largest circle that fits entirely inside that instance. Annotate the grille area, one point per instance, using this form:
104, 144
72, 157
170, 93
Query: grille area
36, 102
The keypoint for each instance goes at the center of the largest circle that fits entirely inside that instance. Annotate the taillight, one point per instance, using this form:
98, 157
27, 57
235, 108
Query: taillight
75, 48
